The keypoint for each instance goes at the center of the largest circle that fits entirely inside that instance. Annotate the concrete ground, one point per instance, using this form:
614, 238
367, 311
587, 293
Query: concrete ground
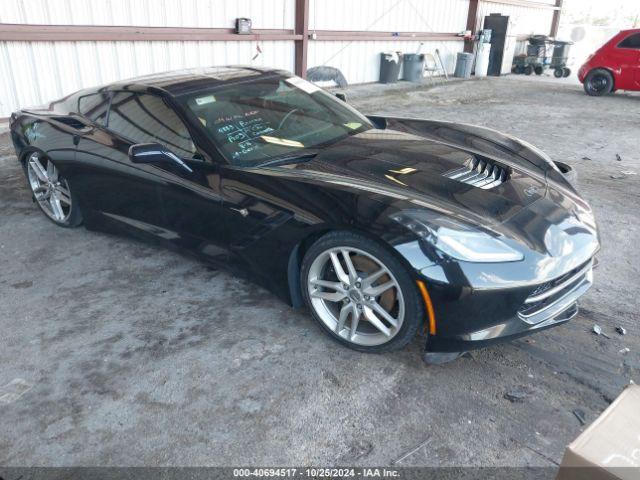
132, 355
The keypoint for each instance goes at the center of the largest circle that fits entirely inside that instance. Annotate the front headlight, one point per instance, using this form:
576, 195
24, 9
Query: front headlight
459, 241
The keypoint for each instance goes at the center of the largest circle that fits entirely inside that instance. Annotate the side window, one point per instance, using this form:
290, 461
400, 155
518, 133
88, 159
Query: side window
632, 41
95, 106
146, 118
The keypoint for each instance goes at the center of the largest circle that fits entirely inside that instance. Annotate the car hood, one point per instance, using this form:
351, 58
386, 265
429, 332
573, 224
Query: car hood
546, 216
407, 166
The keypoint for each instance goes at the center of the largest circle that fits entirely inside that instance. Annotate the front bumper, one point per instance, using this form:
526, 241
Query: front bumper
582, 72
468, 318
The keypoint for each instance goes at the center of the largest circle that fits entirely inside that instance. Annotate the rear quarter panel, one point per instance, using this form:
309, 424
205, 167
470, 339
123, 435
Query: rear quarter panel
30, 132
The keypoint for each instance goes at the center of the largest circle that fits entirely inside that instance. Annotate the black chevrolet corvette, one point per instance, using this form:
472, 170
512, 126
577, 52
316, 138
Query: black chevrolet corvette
382, 226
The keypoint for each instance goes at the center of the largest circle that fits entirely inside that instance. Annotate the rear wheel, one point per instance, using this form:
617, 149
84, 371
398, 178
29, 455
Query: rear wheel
51, 191
598, 82
528, 70
558, 73
538, 70
360, 294
566, 72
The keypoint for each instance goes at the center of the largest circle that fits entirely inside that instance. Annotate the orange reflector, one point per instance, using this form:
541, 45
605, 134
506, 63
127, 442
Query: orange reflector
429, 305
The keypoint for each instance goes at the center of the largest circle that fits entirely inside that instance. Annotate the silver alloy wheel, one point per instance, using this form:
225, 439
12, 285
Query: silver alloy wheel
356, 296
49, 189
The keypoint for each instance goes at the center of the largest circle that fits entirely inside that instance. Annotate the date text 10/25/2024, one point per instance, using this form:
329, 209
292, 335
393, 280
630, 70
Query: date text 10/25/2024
317, 472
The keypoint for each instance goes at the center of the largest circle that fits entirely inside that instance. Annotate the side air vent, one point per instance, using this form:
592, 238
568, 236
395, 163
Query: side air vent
479, 173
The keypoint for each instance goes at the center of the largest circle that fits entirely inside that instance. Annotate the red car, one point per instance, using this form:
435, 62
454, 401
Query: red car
614, 66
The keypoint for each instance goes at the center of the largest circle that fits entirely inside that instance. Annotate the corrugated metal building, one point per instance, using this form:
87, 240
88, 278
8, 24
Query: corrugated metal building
49, 48
526, 17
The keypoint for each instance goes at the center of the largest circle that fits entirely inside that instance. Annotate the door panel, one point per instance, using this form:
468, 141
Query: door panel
123, 194
627, 58
498, 24
189, 196
109, 184
193, 209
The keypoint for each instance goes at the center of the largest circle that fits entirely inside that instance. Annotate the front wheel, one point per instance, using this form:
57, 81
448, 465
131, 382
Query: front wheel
360, 294
598, 82
51, 191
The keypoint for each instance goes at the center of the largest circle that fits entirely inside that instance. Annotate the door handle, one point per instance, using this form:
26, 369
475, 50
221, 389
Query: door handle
242, 211
76, 139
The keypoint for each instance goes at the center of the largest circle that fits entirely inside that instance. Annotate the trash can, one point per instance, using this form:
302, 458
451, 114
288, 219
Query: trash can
413, 65
561, 51
390, 63
464, 63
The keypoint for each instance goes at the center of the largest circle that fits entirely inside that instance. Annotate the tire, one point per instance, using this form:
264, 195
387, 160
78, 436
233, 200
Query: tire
538, 70
558, 73
402, 301
598, 82
51, 191
566, 72
528, 70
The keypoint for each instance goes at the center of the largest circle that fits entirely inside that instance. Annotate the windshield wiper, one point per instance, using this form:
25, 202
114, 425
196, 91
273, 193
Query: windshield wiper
288, 159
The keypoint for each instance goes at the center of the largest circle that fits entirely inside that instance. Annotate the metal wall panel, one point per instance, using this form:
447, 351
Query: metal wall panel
360, 61
389, 15
33, 73
525, 20
270, 14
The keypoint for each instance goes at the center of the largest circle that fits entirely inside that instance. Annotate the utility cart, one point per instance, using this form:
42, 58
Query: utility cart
543, 53
559, 58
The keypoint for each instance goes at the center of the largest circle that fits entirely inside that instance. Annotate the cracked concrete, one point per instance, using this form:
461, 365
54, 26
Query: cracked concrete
141, 356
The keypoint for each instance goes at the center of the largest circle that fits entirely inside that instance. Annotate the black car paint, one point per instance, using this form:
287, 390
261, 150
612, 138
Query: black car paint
259, 221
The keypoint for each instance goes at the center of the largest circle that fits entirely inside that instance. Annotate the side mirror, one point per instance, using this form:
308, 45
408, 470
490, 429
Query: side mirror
341, 96
154, 153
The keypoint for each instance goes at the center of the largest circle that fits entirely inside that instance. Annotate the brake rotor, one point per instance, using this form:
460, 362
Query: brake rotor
367, 266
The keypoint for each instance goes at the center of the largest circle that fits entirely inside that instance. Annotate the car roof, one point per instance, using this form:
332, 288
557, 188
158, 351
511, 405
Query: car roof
180, 82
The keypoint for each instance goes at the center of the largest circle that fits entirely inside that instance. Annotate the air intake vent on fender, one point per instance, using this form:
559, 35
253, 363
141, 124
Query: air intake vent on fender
479, 173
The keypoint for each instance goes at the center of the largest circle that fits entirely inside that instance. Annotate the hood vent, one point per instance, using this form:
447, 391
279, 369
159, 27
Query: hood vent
479, 173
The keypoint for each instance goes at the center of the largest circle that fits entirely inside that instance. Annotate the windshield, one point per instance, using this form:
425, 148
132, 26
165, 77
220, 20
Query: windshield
274, 117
